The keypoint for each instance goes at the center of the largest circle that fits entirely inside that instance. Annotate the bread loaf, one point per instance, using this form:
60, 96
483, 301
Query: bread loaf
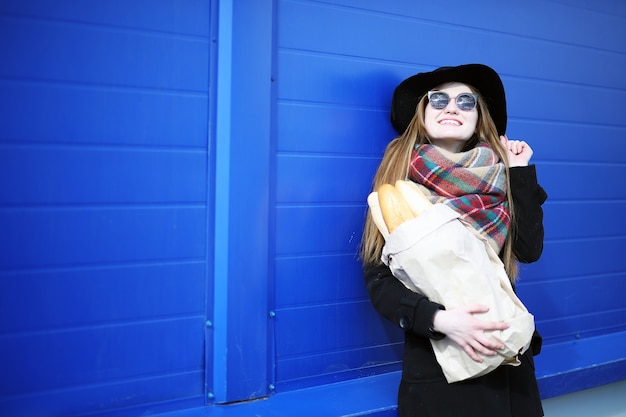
377, 216
395, 209
417, 201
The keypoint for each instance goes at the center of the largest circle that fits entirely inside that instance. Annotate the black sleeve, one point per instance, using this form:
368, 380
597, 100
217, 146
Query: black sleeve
528, 196
408, 310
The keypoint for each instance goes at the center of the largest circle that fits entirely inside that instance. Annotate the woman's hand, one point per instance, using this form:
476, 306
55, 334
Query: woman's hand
467, 331
518, 152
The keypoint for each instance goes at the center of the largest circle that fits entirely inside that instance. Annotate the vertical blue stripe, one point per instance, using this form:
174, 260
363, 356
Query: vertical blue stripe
222, 198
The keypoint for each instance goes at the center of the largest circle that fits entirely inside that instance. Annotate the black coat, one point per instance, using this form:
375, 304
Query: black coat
507, 391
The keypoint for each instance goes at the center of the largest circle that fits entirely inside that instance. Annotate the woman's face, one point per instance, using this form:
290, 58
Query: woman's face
450, 127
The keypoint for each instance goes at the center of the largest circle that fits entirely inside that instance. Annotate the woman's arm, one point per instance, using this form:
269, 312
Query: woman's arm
408, 310
415, 313
528, 196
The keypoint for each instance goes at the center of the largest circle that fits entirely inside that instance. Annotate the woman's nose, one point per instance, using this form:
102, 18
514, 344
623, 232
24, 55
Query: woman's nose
451, 107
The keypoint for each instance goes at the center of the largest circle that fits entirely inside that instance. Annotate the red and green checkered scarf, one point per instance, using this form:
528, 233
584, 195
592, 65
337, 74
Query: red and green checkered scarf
473, 183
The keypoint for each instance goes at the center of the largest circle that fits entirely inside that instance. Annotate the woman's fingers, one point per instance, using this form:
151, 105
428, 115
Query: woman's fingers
474, 347
471, 352
480, 344
518, 152
476, 341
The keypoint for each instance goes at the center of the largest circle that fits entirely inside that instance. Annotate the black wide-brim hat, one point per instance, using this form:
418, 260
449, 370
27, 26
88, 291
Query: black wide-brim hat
483, 78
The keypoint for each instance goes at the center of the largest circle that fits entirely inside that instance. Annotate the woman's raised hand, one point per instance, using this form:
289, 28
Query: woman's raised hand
518, 152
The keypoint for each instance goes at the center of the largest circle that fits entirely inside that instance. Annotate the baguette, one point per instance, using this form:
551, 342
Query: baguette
415, 198
377, 215
395, 209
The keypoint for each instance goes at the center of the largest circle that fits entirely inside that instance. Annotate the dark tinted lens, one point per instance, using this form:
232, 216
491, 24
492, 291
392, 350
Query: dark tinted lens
439, 100
465, 101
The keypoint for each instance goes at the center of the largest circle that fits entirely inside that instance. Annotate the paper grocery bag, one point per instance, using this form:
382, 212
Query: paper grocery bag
439, 256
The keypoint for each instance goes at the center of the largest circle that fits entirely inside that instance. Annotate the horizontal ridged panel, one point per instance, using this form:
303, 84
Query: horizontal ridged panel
185, 17
512, 20
586, 219
38, 175
577, 181
592, 324
347, 340
88, 399
100, 355
333, 327
577, 104
355, 363
44, 238
370, 83
317, 230
69, 298
298, 281
83, 114
377, 36
323, 179
77, 53
577, 296
577, 257
323, 78
548, 139
361, 131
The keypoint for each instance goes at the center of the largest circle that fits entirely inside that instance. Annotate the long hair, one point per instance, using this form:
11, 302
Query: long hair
395, 166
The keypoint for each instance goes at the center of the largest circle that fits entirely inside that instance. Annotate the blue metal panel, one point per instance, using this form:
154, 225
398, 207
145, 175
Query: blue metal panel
332, 327
372, 397
318, 79
309, 290
84, 236
78, 53
593, 300
102, 354
577, 137
161, 176
511, 20
355, 136
602, 216
79, 297
106, 229
583, 363
328, 229
149, 395
337, 83
313, 179
573, 258
104, 205
102, 115
189, 17
242, 195
564, 182
338, 345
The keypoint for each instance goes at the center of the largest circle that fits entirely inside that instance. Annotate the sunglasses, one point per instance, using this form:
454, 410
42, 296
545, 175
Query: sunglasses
464, 101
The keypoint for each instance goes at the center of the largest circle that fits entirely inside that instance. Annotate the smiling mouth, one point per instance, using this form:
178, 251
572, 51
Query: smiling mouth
450, 122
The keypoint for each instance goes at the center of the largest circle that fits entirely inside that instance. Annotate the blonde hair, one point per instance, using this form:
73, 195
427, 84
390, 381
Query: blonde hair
395, 166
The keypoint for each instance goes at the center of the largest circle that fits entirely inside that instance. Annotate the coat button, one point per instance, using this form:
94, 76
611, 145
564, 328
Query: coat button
405, 323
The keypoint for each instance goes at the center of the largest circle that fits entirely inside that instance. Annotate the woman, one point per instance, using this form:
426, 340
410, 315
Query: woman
466, 109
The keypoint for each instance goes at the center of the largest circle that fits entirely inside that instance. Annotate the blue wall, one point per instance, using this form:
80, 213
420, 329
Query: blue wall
104, 204
182, 188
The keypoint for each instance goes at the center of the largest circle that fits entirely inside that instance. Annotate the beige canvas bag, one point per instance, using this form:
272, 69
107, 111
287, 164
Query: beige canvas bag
440, 257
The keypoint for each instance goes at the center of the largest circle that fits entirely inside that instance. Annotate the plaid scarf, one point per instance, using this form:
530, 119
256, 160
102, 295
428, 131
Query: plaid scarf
473, 183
